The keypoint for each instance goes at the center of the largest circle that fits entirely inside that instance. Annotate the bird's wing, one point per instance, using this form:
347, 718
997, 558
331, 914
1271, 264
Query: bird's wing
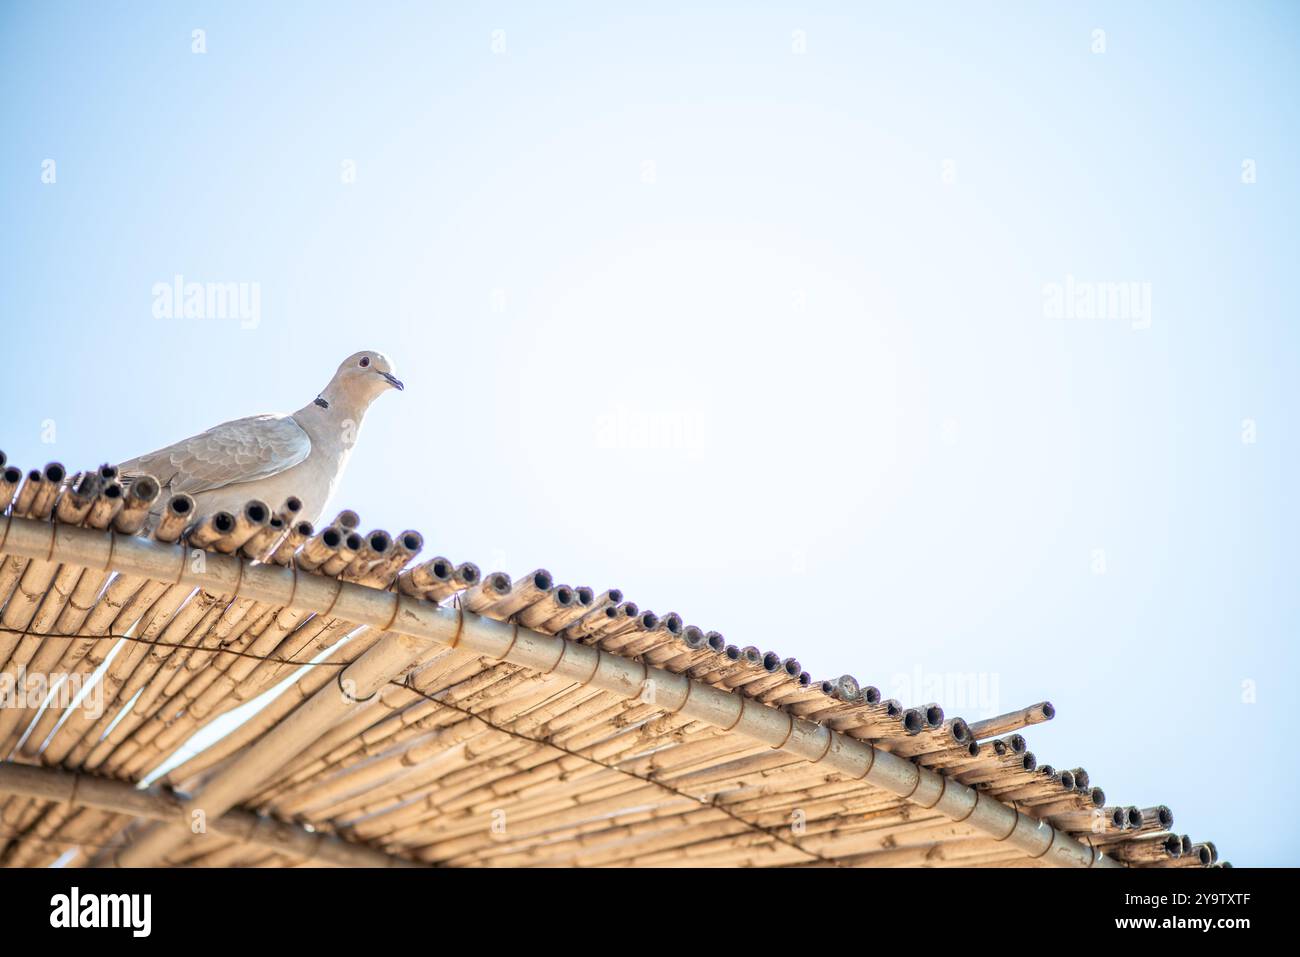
243, 450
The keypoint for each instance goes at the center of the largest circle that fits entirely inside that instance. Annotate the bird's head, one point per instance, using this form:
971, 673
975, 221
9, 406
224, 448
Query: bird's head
363, 375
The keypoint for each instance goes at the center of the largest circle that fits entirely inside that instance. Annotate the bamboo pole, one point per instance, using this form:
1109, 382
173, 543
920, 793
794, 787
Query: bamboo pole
529, 649
84, 791
376, 560
386, 660
86, 653
1013, 721
528, 695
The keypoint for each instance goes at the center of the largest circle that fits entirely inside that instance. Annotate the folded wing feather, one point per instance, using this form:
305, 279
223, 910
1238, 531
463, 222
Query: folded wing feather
243, 450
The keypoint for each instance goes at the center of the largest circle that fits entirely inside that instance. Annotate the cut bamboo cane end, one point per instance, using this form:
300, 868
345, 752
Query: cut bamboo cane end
108, 507
52, 478
207, 530
176, 517
27, 492
299, 532
10, 479
411, 541
139, 499
347, 520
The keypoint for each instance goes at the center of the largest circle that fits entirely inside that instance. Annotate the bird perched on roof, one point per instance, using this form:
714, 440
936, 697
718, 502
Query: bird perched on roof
271, 457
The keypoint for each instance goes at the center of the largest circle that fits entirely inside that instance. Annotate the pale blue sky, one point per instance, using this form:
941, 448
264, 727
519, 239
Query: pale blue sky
819, 275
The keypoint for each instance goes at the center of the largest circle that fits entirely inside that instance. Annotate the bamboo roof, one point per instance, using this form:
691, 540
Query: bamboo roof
441, 716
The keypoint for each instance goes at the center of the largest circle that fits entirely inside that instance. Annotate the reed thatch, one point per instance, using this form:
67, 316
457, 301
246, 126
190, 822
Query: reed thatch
441, 716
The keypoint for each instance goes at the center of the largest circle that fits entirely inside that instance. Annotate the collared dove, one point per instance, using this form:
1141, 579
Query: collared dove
271, 457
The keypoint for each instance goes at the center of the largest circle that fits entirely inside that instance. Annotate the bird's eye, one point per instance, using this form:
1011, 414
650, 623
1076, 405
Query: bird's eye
365, 361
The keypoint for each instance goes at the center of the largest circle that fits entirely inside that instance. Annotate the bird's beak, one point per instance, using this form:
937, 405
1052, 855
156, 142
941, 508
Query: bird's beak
395, 382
